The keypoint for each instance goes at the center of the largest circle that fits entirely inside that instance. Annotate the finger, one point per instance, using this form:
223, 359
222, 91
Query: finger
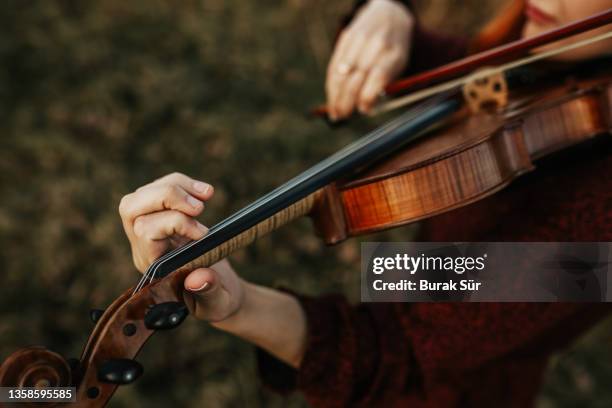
158, 197
213, 293
162, 225
335, 79
349, 94
390, 65
205, 297
351, 54
178, 241
199, 189
372, 52
208, 300
200, 280
375, 83
332, 89
344, 41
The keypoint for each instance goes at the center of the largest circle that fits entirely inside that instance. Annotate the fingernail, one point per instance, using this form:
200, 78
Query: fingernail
203, 228
201, 288
201, 187
194, 202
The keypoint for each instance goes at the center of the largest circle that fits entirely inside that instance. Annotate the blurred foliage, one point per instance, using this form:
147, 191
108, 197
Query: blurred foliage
100, 97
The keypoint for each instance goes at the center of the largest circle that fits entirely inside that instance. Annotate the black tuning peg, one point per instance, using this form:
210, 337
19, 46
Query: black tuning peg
119, 371
95, 314
164, 316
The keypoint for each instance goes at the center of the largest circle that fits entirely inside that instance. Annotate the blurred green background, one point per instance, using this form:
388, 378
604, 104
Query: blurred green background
100, 97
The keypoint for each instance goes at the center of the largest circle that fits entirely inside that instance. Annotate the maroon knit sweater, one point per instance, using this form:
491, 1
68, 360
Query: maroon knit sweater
459, 354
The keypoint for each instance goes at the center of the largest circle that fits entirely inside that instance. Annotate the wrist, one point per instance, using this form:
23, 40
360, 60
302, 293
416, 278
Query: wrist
270, 319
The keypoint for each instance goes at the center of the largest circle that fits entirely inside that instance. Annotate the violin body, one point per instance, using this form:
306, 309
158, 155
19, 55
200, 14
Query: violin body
464, 159
469, 158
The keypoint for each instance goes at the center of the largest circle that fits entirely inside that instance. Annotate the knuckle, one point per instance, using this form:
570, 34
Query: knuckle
170, 190
139, 227
182, 224
172, 177
369, 95
170, 193
358, 39
365, 100
176, 175
179, 220
124, 205
380, 42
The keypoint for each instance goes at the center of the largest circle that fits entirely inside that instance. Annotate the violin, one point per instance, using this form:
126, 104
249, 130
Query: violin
459, 146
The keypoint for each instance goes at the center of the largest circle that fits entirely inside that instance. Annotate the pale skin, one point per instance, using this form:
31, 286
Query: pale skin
543, 15
162, 215
371, 51
374, 48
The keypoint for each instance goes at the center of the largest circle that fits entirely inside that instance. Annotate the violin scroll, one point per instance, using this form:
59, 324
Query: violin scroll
35, 367
108, 358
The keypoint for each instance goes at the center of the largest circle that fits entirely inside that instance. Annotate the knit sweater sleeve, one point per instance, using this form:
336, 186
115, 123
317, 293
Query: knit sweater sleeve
367, 354
354, 355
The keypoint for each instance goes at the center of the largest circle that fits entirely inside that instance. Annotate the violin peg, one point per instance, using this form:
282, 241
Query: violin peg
95, 314
120, 371
165, 316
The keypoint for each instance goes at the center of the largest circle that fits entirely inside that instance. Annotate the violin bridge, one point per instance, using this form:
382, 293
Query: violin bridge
486, 89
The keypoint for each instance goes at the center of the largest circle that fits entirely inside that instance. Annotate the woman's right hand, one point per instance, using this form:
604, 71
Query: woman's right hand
159, 217
371, 52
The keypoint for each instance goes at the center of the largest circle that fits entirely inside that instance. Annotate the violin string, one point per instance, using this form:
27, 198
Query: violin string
479, 74
148, 272
149, 275
151, 272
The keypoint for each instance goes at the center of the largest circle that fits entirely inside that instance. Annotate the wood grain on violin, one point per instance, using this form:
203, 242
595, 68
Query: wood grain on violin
472, 157
504, 28
435, 157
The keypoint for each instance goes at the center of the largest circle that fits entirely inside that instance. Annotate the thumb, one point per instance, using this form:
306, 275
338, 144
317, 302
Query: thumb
213, 294
200, 281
